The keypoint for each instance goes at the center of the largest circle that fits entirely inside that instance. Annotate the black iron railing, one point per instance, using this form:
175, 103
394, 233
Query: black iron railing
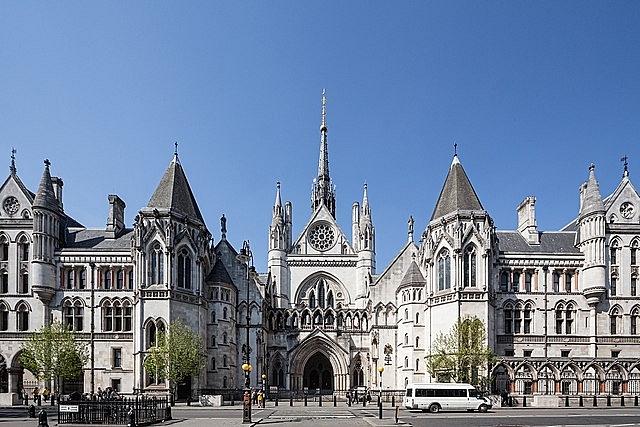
146, 410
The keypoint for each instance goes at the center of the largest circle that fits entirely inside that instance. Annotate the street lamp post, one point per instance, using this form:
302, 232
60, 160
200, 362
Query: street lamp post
245, 256
381, 370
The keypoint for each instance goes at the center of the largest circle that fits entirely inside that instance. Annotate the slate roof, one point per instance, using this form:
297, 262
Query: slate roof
413, 276
46, 196
457, 193
219, 274
96, 239
550, 242
174, 192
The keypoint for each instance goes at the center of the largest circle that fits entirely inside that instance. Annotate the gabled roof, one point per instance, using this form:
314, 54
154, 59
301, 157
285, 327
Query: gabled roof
457, 193
174, 193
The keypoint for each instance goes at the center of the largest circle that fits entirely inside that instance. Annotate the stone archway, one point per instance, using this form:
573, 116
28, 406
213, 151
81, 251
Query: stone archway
318, 374
321, 361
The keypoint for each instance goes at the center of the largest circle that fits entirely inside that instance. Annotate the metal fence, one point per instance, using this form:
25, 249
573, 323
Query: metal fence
146, 410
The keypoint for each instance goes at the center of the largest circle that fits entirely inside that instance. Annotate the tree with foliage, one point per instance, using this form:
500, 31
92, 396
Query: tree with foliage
54, 352
461, 354
178, 353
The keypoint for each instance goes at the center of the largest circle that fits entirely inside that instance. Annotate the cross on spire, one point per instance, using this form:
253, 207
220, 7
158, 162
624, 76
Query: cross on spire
625, 162
455, 148
12, 168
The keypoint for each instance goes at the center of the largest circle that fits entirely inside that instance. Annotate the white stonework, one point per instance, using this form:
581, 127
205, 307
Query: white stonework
562, 308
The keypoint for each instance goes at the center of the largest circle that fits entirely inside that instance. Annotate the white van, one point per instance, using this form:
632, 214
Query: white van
435, 397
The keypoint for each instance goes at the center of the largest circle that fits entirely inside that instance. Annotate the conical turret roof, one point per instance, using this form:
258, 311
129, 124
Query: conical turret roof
457, 192
46, 196
591, 198
174, 193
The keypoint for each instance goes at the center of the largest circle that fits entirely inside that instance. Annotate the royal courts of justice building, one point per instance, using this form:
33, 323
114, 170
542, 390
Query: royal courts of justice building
561, 308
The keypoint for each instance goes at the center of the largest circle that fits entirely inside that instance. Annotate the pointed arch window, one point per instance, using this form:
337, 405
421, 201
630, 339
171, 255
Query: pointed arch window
71, 275
444, 270
22, 317
614, 252
321, 294
614, 321
157, 264
4, 248
107, 279
634, 285
470, 266
312, 300
23, 249
635, 314
634, 252
4, 317
330, 299
23, 288
614, 285
184, 269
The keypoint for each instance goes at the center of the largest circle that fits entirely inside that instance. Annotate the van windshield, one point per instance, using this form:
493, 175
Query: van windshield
409, 392
474, 393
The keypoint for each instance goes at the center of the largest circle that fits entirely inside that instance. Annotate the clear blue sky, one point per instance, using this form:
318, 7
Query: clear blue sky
532, 92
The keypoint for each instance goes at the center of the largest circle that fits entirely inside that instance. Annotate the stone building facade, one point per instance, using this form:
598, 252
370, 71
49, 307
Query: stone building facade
561, 307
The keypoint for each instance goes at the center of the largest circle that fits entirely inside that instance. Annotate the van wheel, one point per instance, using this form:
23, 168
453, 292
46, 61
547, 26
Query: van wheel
434, 408
483, 408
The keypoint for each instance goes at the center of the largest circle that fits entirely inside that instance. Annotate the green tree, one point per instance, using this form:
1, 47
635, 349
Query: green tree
461, 355
177, 354
54, 352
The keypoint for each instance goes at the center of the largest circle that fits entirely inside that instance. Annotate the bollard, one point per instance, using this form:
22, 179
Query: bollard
595, 400
380, 410
393, 401
189, 400
42, 419
524, 401
566, 401
621, 400
320, 400
167, 413
349, 401
131, 416
335, 400
364, 401
276, 401
397, 412
580, 404
305, 400
291, 399
32, 411
39, 400
635, 401
608, 400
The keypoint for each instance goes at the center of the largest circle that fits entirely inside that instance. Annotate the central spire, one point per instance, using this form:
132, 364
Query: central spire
323, 193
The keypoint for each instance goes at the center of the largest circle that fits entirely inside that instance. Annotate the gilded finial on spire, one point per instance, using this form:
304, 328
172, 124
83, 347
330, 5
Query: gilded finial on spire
13, 161
624, 161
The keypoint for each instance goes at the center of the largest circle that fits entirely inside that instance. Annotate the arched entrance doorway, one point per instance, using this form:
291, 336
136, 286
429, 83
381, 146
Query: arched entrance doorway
318, 374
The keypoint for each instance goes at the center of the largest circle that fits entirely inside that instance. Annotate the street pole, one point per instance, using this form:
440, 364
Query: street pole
380, 369
92, 335
244, 257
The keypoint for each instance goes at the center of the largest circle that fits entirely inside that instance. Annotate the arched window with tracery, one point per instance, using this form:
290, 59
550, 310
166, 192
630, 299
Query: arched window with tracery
470, 266
444, 270
74, 315
565, 316
157, 264
357, 376
184, 269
